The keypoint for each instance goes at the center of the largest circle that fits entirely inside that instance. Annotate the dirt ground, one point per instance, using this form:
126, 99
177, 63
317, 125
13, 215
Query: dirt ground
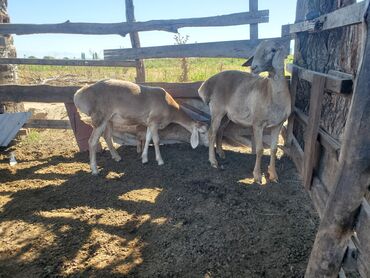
183, 219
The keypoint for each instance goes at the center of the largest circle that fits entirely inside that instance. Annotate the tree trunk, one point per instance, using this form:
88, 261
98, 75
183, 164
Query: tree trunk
8, 73
328, 50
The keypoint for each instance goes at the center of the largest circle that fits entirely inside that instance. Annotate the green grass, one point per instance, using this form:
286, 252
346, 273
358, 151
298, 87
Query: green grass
157, 70
33, 137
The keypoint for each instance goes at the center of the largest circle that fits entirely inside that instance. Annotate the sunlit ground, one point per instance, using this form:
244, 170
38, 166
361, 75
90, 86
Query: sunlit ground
56, 219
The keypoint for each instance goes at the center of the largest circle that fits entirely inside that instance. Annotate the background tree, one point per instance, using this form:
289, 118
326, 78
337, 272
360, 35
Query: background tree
8, 73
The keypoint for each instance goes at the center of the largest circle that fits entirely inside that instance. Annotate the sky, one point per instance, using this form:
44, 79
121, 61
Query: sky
112, 11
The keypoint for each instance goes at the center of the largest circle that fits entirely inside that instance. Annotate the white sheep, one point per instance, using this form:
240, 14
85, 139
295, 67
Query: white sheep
251, 101
134, 104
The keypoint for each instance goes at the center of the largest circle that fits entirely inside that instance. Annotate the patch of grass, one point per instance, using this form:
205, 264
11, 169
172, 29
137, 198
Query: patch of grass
33, 137
157, 70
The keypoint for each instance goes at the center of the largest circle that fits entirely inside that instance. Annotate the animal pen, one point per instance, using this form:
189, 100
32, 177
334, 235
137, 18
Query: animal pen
327, 135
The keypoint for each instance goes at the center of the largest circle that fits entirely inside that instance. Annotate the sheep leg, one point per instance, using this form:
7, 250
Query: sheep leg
139, 145
108, 139
148, 138
140, 130
275, 131
158, 157
220, 134
93, 144
215, 124
258, 136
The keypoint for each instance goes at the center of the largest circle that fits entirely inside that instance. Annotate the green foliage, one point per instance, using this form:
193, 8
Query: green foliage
48, 57
33, 137
184, 64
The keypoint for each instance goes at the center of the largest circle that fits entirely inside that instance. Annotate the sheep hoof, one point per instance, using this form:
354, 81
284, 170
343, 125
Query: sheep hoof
95, 172
274, 179
221, 154
144, 160
272, 175
214, 164
257, 178
160, 162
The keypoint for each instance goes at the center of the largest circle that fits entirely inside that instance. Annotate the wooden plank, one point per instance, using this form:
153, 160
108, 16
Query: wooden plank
349, 15
293, 93
48, 124
51, 94
253, 7
352, 178
327, 141
135, 41
335, 82
285, 31
37, 93
65, 62
295, 152
350, 260
319, 195
227, 49
317, 92
178, 90
362, 237
124, 28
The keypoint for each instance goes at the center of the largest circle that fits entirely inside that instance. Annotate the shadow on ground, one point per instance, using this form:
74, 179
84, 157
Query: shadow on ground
183, 219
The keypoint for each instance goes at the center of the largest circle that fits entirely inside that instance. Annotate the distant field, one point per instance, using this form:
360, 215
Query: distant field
157, 70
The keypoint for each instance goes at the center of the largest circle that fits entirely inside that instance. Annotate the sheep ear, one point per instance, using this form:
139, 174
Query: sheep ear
248, 63
278, 59
194, 139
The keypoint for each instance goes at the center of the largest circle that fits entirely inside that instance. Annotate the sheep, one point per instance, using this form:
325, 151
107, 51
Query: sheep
134, 104
250, 100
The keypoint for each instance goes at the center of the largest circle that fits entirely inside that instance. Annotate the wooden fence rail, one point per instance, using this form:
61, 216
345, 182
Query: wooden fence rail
349, 15
123, 28
64, 94
229, 49
335, 82
65, 62
49, 124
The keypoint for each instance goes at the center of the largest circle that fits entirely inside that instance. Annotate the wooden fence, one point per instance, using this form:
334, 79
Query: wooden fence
343, 239
131, 57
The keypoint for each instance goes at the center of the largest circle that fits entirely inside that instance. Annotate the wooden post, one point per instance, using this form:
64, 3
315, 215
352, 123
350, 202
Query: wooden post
253, 7
352, 177
135, 41
312, 131
293, 92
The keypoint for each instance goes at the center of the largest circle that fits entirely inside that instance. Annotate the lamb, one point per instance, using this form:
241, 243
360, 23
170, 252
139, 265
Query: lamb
251, 101
134, 104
